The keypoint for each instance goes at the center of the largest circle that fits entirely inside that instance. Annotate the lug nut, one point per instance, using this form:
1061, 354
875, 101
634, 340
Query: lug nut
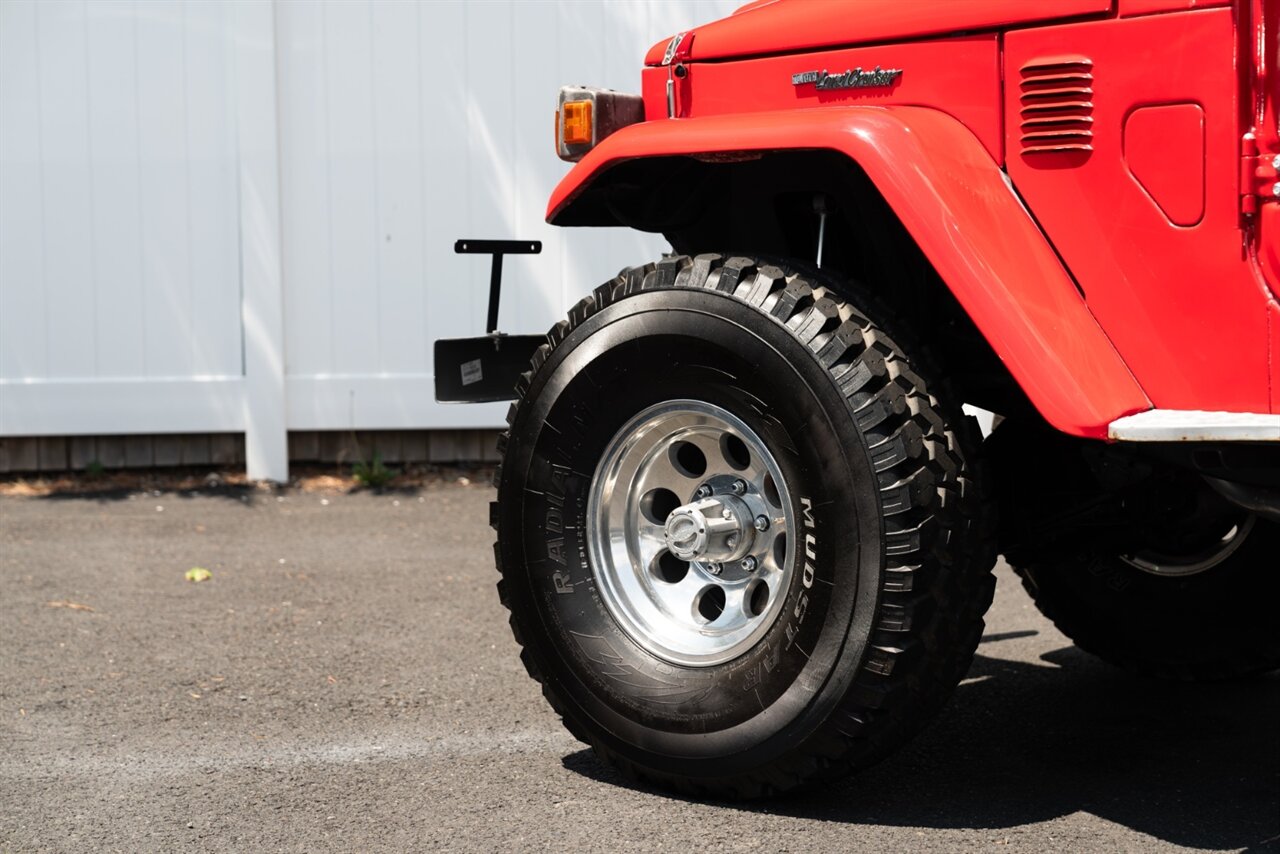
762, 523
714, 568
731, 542
726, 513
739, 487
749, 563
704, 491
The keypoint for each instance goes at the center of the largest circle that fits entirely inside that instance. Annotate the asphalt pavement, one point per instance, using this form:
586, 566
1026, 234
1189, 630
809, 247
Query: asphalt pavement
346, 681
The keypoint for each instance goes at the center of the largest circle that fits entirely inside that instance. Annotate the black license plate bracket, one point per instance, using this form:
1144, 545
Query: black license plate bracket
482, 369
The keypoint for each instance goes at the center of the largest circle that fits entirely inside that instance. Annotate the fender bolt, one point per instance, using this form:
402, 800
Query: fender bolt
762, 523
749, 563
739, 487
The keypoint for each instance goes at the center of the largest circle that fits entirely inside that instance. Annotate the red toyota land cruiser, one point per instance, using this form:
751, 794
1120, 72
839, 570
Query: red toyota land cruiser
745, 529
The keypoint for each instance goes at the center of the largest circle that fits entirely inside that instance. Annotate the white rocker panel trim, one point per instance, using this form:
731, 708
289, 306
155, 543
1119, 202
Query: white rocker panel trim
1189, 425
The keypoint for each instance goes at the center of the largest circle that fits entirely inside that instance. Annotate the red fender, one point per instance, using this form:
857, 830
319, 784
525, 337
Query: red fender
956, 203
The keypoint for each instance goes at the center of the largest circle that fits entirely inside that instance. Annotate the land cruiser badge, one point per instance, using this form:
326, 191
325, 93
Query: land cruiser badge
853, 79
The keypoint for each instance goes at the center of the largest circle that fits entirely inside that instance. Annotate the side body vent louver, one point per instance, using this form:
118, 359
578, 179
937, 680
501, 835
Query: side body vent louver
1057, 104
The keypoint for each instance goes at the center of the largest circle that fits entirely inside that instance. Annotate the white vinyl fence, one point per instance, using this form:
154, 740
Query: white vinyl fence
238, 216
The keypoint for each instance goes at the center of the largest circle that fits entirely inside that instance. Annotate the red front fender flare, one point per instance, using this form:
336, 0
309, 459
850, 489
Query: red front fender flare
956, 203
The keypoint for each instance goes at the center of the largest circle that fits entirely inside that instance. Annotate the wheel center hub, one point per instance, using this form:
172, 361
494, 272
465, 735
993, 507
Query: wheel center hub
688, 525
717, 529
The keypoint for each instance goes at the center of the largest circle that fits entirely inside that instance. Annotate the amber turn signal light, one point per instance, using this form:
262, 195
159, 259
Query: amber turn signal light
575, 117
587, 116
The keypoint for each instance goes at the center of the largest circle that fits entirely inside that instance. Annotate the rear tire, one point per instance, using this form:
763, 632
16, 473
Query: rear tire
1218, 624
1151, 570
880, 599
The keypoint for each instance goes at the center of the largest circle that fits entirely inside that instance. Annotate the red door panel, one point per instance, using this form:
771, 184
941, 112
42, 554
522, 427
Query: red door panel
1274, 322
1171, 284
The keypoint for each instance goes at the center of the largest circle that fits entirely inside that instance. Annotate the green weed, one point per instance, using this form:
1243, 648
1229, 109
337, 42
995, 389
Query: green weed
374, 474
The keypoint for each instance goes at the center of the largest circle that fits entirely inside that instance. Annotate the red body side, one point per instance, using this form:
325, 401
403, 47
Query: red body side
1148, 221
960, 75
1121, 124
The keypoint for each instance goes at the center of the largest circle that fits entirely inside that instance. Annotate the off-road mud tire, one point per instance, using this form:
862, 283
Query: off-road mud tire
1071, 509
1218, 624
904, 544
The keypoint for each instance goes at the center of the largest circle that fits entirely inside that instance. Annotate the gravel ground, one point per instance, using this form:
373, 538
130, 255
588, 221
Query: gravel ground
347, 681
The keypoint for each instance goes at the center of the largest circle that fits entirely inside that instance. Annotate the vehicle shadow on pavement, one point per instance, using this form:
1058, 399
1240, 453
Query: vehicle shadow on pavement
1196, 765
236, 493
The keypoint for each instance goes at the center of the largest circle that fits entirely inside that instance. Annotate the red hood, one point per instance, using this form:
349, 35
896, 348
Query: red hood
792, 26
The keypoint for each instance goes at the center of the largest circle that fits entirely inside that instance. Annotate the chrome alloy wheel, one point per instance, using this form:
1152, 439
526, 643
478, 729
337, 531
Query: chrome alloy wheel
689, 525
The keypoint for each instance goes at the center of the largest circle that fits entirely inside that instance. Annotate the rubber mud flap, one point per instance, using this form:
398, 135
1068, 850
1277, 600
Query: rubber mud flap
482, 369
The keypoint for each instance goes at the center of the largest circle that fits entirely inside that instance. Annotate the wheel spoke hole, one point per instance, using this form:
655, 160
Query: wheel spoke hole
771, 492
710, 603
757, 599
669, 568
656, 505
734, 451
780, 551
688, 459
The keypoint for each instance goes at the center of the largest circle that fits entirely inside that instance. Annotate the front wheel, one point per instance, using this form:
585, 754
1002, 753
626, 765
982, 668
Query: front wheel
742, 540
